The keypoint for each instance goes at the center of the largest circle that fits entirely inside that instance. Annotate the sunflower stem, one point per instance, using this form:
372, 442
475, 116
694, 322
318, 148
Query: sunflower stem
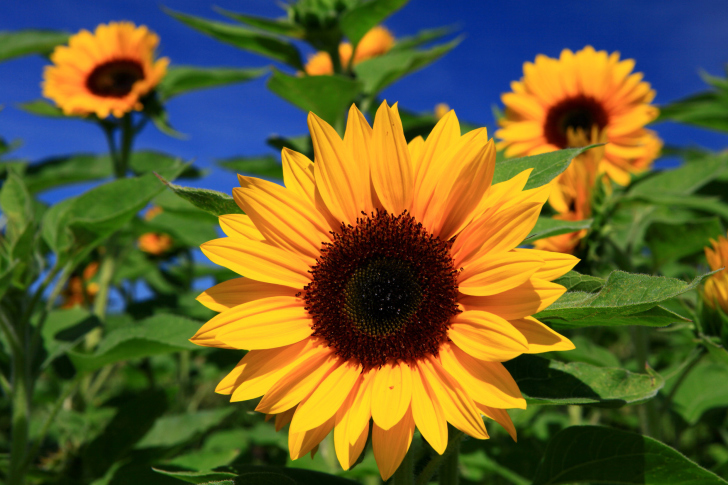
453, 446
405, 474
449, 469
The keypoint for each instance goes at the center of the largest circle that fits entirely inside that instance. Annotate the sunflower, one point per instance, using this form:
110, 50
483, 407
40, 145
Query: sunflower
582, 90
154, 243
383, 287
376, 42
106, 72
80, 288
716, 288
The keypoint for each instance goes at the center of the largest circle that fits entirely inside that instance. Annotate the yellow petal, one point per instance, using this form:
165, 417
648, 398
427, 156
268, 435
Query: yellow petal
444, 135
427, 413
522, 301
298, 174
391, 445
300, 444
486, 336
293, 387
486, 382
540, 337
391, 393
327, 398
347, 442
500, 193
416, 148
500, 416
358, 138
496, 273
337, 177
237, 291
258, 261
285, 219
555, 264
284, 418
239, 225
361, 408
391, 166
232, 380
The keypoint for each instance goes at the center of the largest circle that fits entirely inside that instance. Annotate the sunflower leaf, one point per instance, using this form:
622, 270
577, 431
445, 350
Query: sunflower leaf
703, 389
546, 166
216, 203
591, 454
258, 475
27, 42
708, 110
273, 26
547, 227
574, 281
356, 22
265, 166
41, 107
544, 381
625, 299
183, 79
684, 180
243, 38
673, 241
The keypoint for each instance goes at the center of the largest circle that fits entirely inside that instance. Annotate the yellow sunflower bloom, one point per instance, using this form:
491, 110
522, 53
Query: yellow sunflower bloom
716, 288
154, 243
383, 287
106, 72
376, 42
582, 90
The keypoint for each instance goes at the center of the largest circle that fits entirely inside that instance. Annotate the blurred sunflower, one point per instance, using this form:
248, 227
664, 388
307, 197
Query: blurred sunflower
80, 289
106, 72
155, 243
385, 282
580, 91
716, 288
376, 42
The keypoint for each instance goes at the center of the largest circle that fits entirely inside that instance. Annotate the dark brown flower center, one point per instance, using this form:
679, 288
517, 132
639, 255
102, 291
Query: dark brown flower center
580, 112
114, 79
382, 291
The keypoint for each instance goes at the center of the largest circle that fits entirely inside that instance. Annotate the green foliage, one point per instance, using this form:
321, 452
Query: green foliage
27, 42
183, 79
707, 109
367, 14
216, 203
258, 475
546, 167
265, 166
548, 227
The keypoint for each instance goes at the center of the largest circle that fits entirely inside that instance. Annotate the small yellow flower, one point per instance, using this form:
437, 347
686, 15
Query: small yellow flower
80, 289
441, 110
376, 42
154, 243
582, 90
382, 288
106, 72
716, 288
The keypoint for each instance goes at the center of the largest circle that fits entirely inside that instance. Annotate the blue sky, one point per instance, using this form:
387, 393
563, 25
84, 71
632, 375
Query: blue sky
670, 40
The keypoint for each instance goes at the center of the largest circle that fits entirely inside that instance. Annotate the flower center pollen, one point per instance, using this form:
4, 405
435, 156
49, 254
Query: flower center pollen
114, 79
581, 112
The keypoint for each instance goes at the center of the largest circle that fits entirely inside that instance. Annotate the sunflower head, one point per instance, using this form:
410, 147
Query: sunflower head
382, 288
587, 90
376, 42
716, 288
104, 73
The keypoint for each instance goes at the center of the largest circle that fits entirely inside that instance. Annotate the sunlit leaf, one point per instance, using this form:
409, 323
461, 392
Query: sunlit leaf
216, 203
547, 227
183, 79
356, 22
546, 167
27, 42
176, 429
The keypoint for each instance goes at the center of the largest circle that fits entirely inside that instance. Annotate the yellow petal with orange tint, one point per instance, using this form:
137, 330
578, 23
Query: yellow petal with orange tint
427, 413
501, 417
237, 291
496, 273
391, 445
540, 337
358, 138
555, 264
391, 393
524, 300
239, 225
300, 444
298, 174
486, 336
391, 168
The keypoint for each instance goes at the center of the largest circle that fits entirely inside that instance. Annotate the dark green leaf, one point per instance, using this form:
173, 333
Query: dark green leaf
625, 299
244, 38
63, 329
190, 228
379, 72
547, 227
329, 97
216, 203
422, 37
183, 79
177, 429
41, 107
56, 171
703, 389
258, 475
157, 112
574, 281
684, 180
27, 42
595, 454
708, 110
710, 205
273, 26
356, 22
16, 204
300, 144
546, 167
264, 166
673, 241
544, 381
155, 335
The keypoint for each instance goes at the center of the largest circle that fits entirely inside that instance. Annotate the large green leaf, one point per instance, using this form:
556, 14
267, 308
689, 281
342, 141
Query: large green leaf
574, 281
183, 79
422, 37
27, 42
547, 227
356, 22
16, 204
544, 381
546, 167
379, 72
683, 180
274, 26
41, 107
257, 475
155, 335
329, 97
704, 388
216, 203
244, 38
708, 110
63, 329
265, 166
595, 454
672, 241
178, 429
625, 299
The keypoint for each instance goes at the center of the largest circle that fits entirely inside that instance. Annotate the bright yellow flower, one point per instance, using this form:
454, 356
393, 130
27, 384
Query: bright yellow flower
441, 109
383, 282
376, 42
716, 288
155, 244
106, 72
582, 90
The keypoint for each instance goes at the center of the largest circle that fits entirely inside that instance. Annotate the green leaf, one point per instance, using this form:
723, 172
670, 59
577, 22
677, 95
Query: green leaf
673, 241
595, 454
27, 42
544, 381
547, 227
216, 203
329, 97
301, 144
17, 206
159, 334
355, 23
177, 429
704, 388
264, 166
379, 72
684, 180
707, 110
243, 38
574, 281
546, 166
63, 329
257, 475
625, 299
41, 107
190, 228
183, 79
57, 171
422, 37
274, 26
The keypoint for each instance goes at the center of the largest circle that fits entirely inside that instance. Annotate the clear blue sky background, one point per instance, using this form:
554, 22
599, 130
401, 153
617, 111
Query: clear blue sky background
670, 40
